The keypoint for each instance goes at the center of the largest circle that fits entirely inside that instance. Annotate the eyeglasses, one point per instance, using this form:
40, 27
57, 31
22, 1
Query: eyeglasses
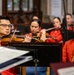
5, 25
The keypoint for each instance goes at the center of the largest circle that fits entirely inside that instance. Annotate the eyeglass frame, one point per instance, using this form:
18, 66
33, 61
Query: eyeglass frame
5, 25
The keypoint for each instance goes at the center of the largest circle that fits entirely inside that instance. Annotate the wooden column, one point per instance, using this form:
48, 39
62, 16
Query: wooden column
37, 7
23, 70
4, 7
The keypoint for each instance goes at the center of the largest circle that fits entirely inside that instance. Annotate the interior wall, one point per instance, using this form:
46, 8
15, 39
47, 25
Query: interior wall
70, 6
46, 10
44, 7
0, 7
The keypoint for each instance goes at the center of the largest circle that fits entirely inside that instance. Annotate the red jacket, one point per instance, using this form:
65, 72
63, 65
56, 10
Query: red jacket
56, 36
70, 28
68, 51
10, 71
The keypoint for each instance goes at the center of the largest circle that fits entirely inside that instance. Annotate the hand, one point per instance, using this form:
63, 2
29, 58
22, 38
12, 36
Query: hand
43, 31
43, 35
28, 38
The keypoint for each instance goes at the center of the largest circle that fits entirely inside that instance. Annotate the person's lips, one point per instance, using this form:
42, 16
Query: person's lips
7, 31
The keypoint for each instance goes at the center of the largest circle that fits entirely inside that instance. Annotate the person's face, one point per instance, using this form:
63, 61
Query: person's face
34, 27
56, 23
69, 19
5, 27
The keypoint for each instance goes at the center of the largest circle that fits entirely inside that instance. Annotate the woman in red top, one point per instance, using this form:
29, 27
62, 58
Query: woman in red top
5, 28
56, 33
68, 51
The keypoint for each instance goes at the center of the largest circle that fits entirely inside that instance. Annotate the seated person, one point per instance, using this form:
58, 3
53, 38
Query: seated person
5, 28
35, 29
56, 35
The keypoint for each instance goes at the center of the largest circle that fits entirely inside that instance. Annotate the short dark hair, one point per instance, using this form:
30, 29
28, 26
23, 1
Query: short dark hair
69, 14
4, 17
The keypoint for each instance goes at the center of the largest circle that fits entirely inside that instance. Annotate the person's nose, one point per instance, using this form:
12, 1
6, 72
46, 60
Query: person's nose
7, 28
33, 28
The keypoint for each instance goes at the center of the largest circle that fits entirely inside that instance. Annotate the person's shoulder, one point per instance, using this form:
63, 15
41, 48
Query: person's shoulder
69, 41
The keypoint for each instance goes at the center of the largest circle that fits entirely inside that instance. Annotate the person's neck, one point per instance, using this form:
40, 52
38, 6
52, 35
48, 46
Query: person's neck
34, 34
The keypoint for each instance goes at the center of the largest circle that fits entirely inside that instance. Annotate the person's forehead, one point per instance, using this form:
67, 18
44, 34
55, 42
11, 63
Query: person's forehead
56, 20
34, 23
4, 21
68, 16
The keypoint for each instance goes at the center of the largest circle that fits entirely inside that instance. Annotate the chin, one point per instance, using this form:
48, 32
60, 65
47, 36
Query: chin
6, 34
33, 33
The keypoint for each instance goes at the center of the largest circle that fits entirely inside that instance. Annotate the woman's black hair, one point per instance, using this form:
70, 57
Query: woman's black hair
38, 21
57, 18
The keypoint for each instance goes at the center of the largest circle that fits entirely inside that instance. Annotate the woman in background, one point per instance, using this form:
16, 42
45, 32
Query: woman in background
35, 29
56, 35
